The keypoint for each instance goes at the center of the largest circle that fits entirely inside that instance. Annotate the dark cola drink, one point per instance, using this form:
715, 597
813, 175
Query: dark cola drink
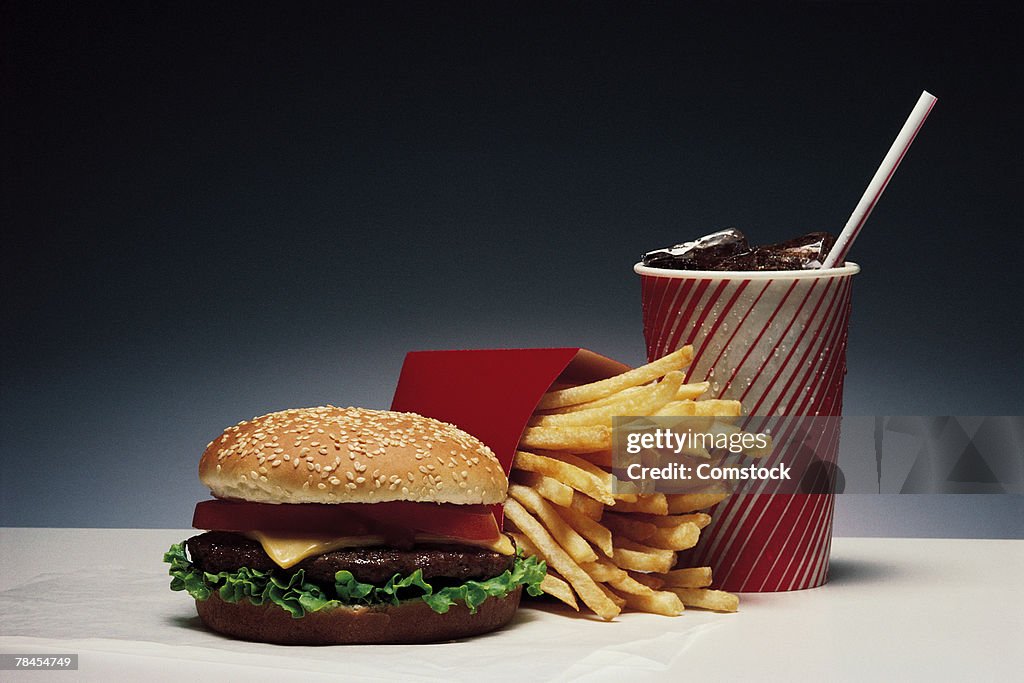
730, 250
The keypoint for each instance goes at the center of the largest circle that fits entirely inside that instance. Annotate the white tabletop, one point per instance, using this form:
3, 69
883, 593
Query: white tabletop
895, 609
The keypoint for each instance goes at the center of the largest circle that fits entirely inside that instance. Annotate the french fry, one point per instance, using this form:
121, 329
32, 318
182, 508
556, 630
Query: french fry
652, 581
679, 537
701, 519
652, 504
525, 544
592, 594
557, 587
664, 603
677, 409
606, 387
602, 459
549, 487
570, 475
590, 529
642, 402
576, 439
603, 570
691, 502
685, 392
551, 586
638, 557
585, 505
693, 577
571, 542
606, 478
619, 601
688, 392
703, 598
627, 584
629, 527
719, 408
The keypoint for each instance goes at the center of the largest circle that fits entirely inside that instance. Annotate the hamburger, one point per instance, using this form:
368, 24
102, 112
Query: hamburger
347, 525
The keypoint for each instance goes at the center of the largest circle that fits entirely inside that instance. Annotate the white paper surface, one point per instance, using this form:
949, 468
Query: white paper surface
896, 609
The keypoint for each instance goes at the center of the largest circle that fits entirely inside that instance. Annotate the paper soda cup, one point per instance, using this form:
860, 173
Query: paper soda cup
775, 341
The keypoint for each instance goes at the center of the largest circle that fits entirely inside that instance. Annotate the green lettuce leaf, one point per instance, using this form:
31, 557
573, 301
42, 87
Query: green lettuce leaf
298, 597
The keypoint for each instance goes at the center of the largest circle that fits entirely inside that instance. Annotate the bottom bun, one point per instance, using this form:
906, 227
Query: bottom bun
409, 622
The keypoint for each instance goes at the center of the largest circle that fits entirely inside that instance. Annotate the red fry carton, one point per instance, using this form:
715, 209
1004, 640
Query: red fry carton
491, 393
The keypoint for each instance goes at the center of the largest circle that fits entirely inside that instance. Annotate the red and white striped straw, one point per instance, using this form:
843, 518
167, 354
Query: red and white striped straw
881, 179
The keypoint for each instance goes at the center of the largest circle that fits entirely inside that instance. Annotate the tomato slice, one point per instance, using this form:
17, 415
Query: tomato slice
470, 522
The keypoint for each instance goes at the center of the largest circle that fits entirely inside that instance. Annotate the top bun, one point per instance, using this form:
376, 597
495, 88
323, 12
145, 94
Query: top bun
351, 455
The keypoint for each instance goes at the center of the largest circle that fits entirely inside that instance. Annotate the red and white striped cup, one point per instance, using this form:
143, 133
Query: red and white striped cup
775, 341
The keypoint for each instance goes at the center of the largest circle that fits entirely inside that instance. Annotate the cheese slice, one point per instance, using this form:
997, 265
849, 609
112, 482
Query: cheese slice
288, 551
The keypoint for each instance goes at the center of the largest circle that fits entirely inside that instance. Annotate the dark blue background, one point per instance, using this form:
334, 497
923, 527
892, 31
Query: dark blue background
211, 212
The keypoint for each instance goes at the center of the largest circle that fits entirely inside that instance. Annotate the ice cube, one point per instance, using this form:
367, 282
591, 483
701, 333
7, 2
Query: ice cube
800, 253
700, 253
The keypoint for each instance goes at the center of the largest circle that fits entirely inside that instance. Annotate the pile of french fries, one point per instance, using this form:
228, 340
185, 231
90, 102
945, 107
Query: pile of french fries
612, 551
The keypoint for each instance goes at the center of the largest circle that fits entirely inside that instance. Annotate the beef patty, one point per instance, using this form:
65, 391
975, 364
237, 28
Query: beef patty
218, 551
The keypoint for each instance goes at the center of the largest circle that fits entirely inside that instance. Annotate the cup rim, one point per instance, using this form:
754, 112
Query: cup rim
850, 268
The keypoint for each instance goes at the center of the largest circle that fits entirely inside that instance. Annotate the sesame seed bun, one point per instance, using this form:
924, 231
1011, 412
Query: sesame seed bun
351, 455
